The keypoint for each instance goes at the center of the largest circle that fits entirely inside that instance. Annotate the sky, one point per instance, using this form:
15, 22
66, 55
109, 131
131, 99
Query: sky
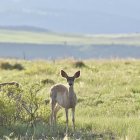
73, 16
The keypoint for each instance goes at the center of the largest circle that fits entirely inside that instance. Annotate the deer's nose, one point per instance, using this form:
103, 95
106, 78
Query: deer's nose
70, 84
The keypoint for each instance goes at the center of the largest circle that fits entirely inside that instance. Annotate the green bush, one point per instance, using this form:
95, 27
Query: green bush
8, 66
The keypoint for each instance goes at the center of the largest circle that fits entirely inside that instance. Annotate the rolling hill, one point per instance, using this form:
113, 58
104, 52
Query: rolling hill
34, 35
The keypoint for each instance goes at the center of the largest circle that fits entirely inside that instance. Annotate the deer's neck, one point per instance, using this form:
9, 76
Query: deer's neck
72, 97
71, 90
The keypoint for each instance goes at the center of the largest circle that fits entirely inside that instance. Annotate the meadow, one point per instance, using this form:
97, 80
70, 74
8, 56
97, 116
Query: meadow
108, 94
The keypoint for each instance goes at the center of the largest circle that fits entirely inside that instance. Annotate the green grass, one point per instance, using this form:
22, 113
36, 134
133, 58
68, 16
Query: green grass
108, 94
12, 36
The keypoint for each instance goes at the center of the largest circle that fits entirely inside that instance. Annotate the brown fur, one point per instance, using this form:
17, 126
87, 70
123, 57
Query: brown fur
62, 96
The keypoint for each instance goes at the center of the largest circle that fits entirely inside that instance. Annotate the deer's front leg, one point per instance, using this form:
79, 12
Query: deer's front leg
73, 118
66, 110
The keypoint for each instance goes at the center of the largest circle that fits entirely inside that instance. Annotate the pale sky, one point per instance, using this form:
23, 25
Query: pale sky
81, 13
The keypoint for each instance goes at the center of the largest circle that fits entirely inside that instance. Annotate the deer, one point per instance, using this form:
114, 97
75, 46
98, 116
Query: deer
63, 97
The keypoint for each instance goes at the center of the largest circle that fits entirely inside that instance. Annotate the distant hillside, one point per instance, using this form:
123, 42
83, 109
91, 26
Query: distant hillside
24, 28
35, 35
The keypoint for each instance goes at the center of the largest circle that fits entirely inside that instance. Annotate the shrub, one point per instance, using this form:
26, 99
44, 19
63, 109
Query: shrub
48, 81
79, 64
8, 66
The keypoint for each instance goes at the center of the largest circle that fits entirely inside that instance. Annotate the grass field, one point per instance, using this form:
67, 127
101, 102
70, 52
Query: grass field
108, 97
12, 36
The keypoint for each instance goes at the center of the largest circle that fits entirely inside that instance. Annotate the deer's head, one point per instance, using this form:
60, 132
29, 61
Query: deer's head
70, 80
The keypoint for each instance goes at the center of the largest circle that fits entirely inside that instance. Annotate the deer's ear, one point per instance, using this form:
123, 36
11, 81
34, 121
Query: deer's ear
77, 74
64, 74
